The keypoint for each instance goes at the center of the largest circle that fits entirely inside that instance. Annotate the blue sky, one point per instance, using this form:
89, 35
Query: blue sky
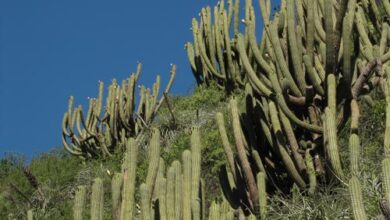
51, 49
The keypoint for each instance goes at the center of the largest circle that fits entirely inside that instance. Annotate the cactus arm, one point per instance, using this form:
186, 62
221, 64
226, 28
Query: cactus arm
331, 145
243, 159
288, 130
290, 167
244, 58
225, 143
293, 45
261, 186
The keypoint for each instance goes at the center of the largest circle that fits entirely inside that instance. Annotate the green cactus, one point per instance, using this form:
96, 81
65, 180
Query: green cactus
129, 177
116, 190
357, 199
154, 161
97, 196
170, 193
386, 178
79, 203
261, 185
179, 184
145, 203
30, 214
186, 193
214, 211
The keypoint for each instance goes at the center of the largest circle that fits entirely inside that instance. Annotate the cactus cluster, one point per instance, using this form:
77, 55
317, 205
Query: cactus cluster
174, 193
98, 134
302, 81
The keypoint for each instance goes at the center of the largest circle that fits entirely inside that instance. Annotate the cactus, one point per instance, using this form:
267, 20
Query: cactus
116, 186
186, 189
129, 176
386, 178
195, 172
97, 206
170, 193
214, 211
309, 68
79, 203
356, 198
30, 214
154, 155
261, 186
98, 134
145, 204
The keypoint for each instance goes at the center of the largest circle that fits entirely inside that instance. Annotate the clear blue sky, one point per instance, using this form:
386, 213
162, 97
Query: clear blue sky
52, 49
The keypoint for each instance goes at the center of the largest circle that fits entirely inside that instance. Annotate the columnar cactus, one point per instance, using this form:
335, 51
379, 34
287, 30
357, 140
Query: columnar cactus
357, 199
129, 176
97, 205
98, 134
79, 203
116, 191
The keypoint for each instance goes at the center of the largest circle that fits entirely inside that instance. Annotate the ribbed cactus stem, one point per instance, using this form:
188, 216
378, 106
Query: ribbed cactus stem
186, 194
214, 213
196, 210
386, 178
145, 204
79, 203
97, 206
243, 159
195, 163
354, 153
30, 215
387, 129
311, 172
261, 186
170, 193
356, 199
162, 198
332, 145
178, 190
225, 143
116, 186
154, 160
129, 176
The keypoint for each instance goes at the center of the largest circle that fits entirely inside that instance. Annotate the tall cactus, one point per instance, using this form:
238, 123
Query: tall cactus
357, 199
97, 205
186, 190
129, 177
79, 203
